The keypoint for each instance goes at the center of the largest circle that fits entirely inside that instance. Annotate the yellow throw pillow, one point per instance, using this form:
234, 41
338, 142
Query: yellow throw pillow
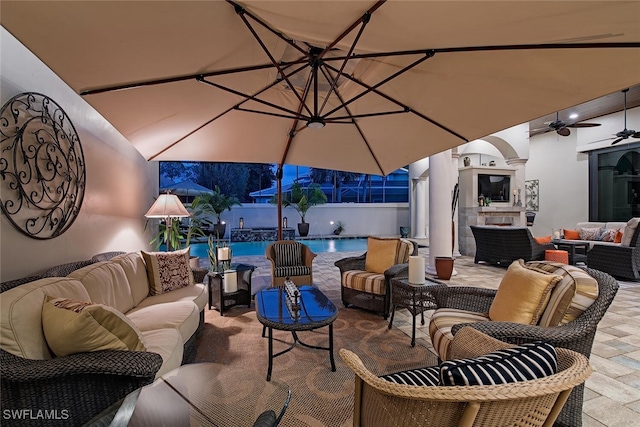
72, 326
381, 254
523, 294
167, 271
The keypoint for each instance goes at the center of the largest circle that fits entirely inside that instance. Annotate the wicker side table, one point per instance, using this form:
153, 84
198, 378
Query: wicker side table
415, 298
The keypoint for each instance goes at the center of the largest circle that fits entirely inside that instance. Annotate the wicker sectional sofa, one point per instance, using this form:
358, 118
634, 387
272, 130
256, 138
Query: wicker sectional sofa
86, 383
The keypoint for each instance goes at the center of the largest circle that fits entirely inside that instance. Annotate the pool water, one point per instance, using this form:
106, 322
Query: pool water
258, 248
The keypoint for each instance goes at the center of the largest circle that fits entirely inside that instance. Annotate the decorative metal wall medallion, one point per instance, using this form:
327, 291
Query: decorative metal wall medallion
42, 169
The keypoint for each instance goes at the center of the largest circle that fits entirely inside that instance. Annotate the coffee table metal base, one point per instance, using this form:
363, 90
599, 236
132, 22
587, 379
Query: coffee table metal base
296, 341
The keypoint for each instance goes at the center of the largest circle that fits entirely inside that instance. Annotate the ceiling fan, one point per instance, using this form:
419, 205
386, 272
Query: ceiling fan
626, 133
561, 127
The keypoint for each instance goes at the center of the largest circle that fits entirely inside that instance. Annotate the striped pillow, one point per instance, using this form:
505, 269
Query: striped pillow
522, 363
421, 377
573, 294
405, 248
288, 254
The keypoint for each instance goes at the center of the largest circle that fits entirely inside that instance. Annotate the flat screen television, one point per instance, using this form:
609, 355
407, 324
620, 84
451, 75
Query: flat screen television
496, 187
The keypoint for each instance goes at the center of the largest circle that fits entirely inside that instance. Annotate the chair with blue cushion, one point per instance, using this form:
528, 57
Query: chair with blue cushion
290, 259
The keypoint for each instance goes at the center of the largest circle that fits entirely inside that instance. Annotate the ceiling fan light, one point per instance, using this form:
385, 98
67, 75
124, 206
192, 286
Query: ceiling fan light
564, 132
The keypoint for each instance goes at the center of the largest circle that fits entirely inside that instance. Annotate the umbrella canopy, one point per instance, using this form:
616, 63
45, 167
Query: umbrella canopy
352, 85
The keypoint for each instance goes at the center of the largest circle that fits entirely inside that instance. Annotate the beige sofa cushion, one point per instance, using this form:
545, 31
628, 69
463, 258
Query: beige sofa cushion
196, 293
107, 284
21, 314
136, 271
629, 231
181, 315
168, 344
72, 326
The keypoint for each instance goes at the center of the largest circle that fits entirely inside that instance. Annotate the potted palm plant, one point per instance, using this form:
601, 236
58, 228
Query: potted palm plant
214, 204
302, 199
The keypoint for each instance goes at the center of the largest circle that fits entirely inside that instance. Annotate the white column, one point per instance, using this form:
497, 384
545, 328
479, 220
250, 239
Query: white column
440, 188
420, 208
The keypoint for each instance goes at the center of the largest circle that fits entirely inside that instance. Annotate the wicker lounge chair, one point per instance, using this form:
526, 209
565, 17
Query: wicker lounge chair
502, 245
379, 402
290, 259
360, 292
576, 335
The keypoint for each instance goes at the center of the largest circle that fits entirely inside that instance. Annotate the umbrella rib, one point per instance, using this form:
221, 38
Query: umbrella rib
292, 132
186, 77
364, 138
387, 97
360, 116
367, 14
244, 95
365, 20
267, 113
384, 81
271, 58
241, 10
269, 86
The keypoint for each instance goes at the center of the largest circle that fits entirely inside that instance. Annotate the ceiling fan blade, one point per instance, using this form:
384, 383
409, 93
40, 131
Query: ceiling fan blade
617, 140
583, 125
636, 135
564, 132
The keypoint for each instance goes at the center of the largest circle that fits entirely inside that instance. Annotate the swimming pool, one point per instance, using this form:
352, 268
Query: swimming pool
258, 248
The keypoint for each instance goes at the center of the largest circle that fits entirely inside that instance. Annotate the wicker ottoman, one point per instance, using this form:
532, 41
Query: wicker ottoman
556, 255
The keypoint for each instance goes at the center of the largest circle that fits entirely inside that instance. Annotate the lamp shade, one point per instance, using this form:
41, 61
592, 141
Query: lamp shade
167, 206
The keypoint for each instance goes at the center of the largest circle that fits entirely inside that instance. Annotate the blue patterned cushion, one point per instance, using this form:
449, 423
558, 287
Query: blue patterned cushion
522, 363
288, 254
423, 376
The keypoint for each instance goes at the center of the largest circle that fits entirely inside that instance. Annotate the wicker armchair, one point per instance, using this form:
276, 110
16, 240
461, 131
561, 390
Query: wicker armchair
370, 298
619, 261
576, 335
379, 402
502, 245
300, 272
82, 385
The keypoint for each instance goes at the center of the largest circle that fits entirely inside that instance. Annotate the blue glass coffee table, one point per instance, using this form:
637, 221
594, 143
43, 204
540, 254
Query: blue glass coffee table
316, 311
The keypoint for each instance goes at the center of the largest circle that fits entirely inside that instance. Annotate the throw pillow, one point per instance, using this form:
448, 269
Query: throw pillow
429, 376
72, 326
543, 240
629, 231
618, 238
167, 271
521, 363
381, 254
609, 234
522, 295
469, 342
288, 254
590, 233
571, 234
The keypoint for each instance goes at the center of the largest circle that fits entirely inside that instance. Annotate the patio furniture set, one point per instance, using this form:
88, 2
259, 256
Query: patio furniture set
500, 246
466, 321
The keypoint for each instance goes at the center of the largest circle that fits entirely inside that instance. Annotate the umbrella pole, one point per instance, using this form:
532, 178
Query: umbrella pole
279, 190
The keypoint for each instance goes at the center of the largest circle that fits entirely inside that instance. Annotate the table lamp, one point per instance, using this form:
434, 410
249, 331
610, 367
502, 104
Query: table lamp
168, 206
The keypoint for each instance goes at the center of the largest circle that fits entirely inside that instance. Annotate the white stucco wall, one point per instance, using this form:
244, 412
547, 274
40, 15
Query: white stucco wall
120, 187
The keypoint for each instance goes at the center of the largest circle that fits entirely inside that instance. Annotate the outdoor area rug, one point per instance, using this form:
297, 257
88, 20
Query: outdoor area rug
319, 397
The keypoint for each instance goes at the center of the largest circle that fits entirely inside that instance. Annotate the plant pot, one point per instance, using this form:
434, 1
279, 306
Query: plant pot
404, 232
444, 267
337, 232
303, 229
219, 230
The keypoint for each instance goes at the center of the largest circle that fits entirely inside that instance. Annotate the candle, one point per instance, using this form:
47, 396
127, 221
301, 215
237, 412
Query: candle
416, 270
230, 281
556, 234
515, 192
223, 254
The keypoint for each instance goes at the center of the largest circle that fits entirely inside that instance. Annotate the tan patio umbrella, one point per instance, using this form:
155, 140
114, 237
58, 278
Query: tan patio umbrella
349, 85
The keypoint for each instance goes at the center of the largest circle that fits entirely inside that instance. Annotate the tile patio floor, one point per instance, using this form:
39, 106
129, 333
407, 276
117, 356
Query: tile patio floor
612, 393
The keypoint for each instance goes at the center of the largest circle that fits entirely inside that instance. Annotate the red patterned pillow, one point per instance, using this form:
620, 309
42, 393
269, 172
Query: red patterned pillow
609, 234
